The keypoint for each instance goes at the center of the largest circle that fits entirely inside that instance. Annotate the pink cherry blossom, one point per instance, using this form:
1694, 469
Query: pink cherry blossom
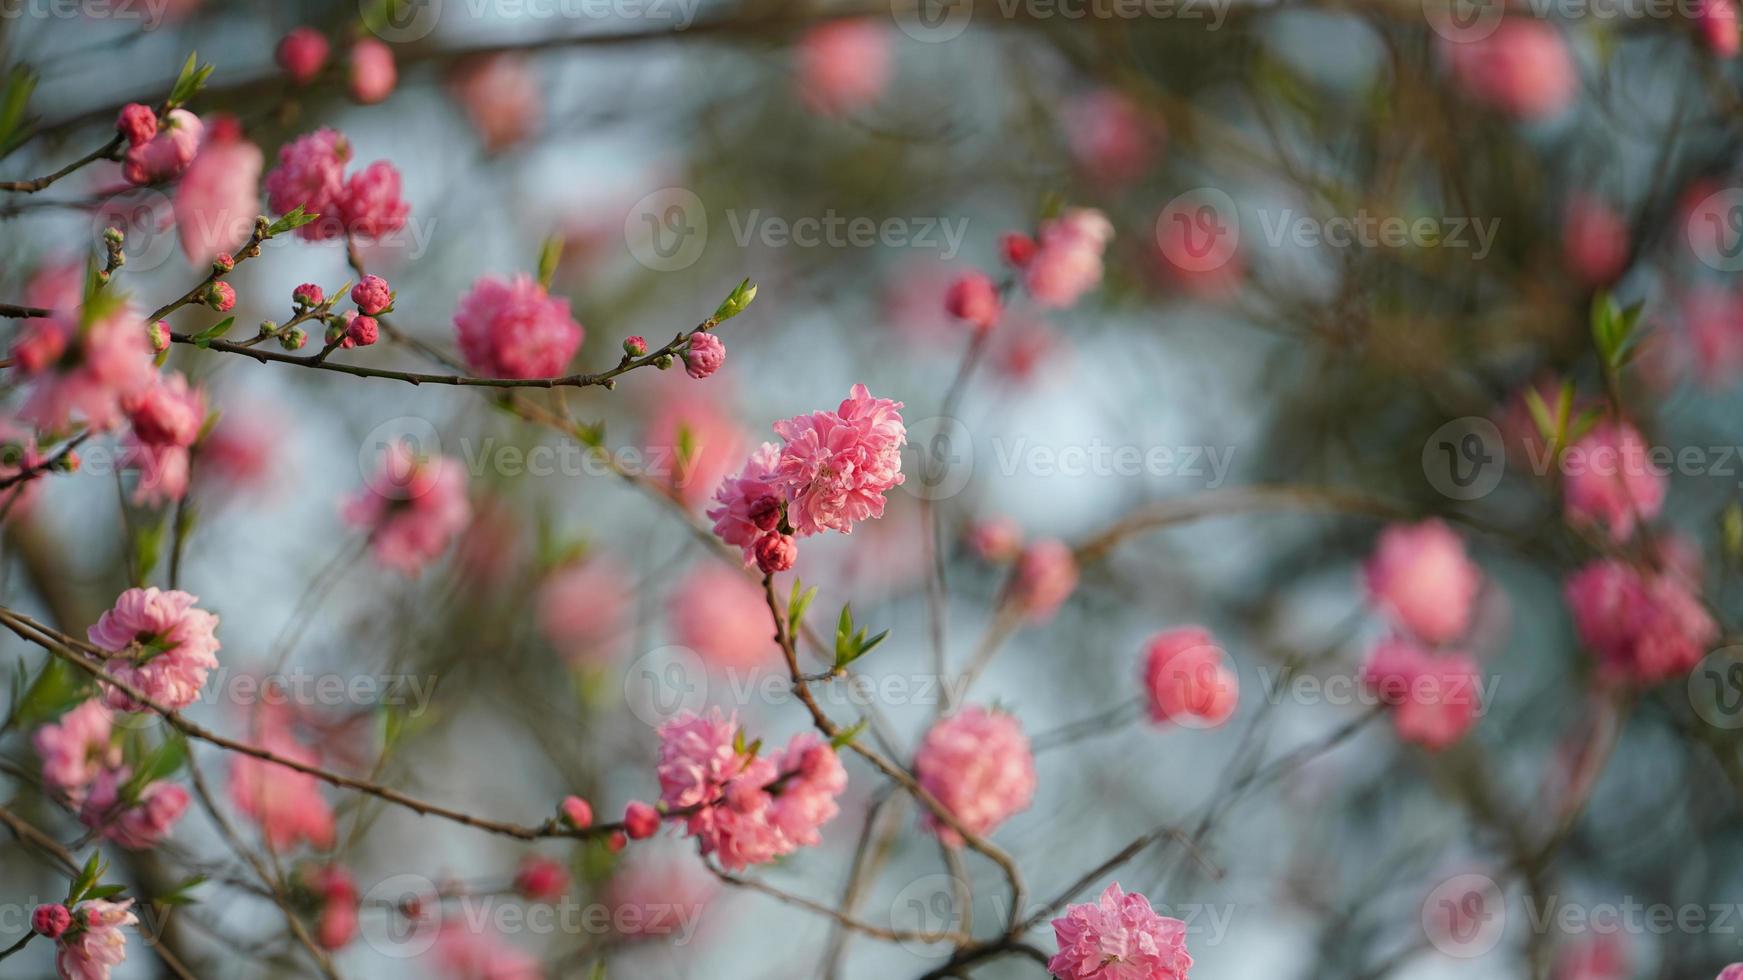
311, 174
1523, 68
1594, 240
463, 952
1046, 575
1732, 972
502, 99
1068, 257
372, 73
76, 748
747, 506
1643, 626
161, 645
1435, 698
540, 879
302, 54
514, 329
703, 355
842, 66
218, 197
584, 610
996, 538
1420, 577
412, 508
92, 369
1111, 137
651, 897
135, 824
370, 203
1119, 937
746, 808
167, 413
1187, 680
167, 154
164, 471
98, 946
973, 299
720, 614
837, 466
695, 433
1604, 956
977, 763
286, 804
1718, 23
1609, 481
336, 925
1712, 319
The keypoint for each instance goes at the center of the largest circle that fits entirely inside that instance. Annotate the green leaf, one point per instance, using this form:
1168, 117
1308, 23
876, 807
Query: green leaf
160, 764
58, 687
736, 302
87, 879
846, 736
14, 98
290, 221
106, 891
216, 331
598, 971
550, 253
147, 548
192, 78
798, 604
1546, 427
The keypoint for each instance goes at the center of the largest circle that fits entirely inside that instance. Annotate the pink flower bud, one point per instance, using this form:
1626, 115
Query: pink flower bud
372, 295
223, 262
776, 553
221, 297
635, 346
704, 355
973, 298
373, 74
159, 334
640, 820
138, 123
50, 920
576, 812
1016, 248
302, 53
293, 339
541, 879
616, 842
308, 294
361, 331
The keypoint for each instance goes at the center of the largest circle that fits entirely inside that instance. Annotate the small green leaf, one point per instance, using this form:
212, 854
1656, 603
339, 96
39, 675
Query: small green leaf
106, 891
188, 84
58, 688
550, 254
1540, 414
290, 221
14, 98
797, 606
216, 331
846, 736
736, 302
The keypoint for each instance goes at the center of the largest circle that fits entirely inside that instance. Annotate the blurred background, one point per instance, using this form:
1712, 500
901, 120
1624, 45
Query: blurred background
1340, 228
